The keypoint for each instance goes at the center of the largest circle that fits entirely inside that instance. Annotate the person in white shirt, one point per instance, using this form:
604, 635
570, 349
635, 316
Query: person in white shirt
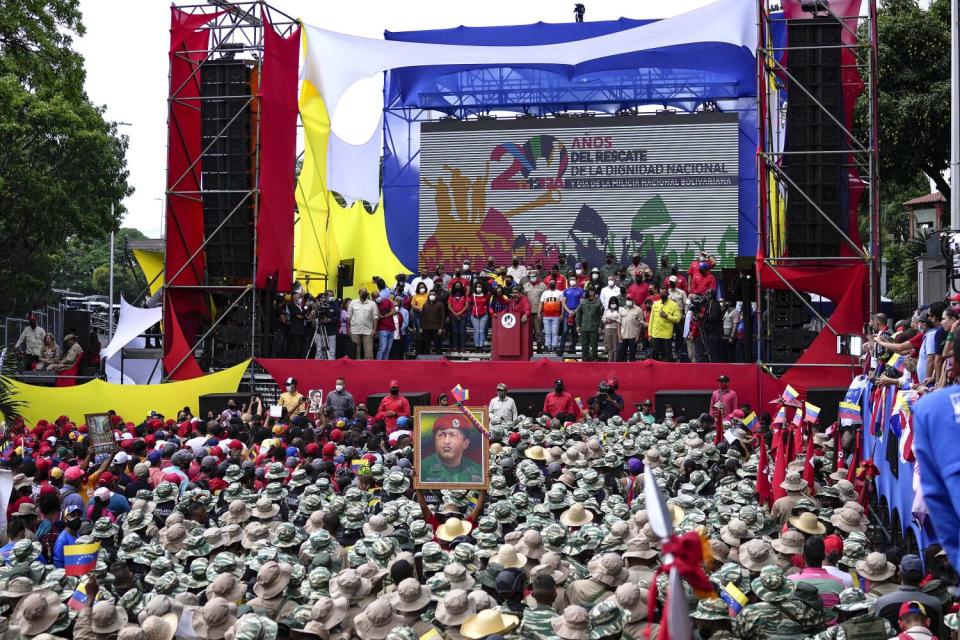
517, 271
608, 292
502, 408
425, 279
31, 339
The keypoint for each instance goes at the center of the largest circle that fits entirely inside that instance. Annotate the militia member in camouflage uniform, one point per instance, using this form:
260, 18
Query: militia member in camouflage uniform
779, 615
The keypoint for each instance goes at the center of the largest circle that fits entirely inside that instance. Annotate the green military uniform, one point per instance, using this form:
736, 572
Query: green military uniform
779, 615
859, 628
589, 315
435, 471
536, 622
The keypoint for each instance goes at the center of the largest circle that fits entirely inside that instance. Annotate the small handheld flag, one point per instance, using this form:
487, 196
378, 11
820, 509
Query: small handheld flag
80, 559
459, 394
798, 417
781, 416
735, 598
750, 422
849, 413
78, 599
360, 466
812, 412
896, 362
789, 394
579, 402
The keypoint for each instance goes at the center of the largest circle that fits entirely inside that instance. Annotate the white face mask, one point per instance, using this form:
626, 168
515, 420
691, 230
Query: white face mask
579, 272
610, 283
432, 298
466, 267
289, 387
339, 387
629, 303
533, 278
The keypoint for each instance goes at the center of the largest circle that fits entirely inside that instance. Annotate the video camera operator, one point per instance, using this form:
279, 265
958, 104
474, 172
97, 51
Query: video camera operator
696, 340
606, 404
326, 314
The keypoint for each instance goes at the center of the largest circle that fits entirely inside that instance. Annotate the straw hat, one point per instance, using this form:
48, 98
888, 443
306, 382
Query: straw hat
576, 516
876, 567
410, 596
536, 452
808, 522
454, 528
376, 621
486, 623
454, 608
214, 619
574, 624
508, 558
105, 618
36, 612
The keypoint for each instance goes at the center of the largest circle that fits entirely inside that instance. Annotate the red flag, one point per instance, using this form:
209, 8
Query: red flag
780, 464
797, 441
855, 460
762, 485
808, 462
718, 418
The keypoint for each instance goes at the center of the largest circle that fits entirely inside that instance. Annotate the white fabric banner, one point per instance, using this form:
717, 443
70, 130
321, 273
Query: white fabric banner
133, 322
334, 62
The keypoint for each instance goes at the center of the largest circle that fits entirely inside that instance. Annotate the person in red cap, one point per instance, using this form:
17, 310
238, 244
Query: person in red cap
914, 622
724, 396
392, 407
451, 439
560, 404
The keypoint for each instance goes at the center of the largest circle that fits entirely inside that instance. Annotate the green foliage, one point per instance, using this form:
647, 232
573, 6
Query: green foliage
84, 267
914, 91
61, 163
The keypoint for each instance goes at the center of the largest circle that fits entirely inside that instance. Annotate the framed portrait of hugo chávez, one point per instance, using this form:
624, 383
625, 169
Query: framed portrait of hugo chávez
449, 451
100, 432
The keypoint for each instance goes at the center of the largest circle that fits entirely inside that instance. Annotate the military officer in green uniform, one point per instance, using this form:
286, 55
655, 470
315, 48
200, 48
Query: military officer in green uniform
451, 439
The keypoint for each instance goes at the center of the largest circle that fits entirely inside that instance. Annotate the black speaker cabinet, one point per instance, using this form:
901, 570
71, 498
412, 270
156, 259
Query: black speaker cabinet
529, 401
217, 402
828, 399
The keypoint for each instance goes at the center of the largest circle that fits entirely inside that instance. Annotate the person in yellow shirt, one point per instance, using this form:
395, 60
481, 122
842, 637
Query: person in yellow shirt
291, 399
664, 315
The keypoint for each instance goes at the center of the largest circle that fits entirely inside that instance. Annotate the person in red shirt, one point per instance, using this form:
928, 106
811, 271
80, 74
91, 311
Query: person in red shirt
518, 304
724, 396
703, 281
560, 404
638, 292
392, 407
386, 325
556, 276
479, 305
457, 305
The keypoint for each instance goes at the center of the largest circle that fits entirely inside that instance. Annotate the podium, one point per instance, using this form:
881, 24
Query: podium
512, 339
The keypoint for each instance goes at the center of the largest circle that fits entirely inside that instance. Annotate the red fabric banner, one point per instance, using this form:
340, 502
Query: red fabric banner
278, 151
762, 485
638, 380
184, 215
784, 447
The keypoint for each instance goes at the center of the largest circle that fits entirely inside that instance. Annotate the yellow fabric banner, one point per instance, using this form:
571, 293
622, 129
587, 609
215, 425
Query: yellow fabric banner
327, 233
151, 263
131, 401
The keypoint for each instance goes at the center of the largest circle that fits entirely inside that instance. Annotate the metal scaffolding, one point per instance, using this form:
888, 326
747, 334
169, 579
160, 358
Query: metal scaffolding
236, 34
858, 52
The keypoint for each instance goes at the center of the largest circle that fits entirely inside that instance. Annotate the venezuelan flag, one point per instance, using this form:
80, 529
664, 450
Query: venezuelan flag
812, 411
80, 559
790, 394
750, 422
460, 394
896, 362
849, 413
735, 598
781, 417
79, 597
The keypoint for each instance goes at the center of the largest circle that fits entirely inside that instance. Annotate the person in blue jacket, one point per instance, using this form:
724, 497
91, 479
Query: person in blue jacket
72, 517
936, 426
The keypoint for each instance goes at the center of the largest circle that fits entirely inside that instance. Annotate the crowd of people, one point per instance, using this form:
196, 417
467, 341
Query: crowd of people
249, 527
615, 312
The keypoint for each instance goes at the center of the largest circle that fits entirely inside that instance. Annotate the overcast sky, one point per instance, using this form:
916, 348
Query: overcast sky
126, 59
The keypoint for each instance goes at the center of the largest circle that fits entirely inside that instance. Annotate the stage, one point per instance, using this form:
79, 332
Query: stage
638, 380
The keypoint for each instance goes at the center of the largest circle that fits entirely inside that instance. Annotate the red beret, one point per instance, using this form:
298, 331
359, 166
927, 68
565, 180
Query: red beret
451, 421
115, 420
82, 428
236, 445
312, 449
47, 489
329, 450
513, 439
336, 435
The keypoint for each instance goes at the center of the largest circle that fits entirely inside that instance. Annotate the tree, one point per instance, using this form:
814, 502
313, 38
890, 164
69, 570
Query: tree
84, 267
61, 163
914, 91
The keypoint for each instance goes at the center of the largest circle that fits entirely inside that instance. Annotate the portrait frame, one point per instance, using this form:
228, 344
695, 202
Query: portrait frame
423, 446
100, 432
315, 401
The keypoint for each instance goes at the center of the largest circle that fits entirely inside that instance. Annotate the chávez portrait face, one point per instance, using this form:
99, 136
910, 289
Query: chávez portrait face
449, 450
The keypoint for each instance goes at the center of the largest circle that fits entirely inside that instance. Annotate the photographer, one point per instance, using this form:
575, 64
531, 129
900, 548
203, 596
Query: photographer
327, 314
606, 404
713, 327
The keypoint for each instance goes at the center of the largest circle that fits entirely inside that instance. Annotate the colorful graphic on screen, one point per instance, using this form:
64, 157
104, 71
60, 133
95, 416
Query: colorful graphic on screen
657, 185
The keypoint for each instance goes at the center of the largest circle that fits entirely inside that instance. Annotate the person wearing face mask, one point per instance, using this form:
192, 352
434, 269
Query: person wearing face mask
679, 296
479, 305
611, 329
416, 310
72, 518
556, 276
560, 404
565, 268
459, 279
551, 310
638, 291
589, 317
502, 409
533, 289
291, 399
631, 325
424, 279
611, 267
362, 316
579, 278
457, 307
31, 342
432, 321
664, 315
340, 402
517, 270
612, 290
298, 327
637, 267
572, 296
386, 326
392, 407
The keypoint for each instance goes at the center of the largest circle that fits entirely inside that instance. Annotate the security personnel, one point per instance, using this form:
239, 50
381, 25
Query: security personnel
451, 439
